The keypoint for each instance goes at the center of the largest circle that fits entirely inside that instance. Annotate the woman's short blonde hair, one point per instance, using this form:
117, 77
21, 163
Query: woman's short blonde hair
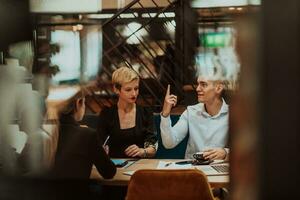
123, 75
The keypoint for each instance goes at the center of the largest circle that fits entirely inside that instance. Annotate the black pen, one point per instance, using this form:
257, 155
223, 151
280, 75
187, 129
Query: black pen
184, 162
130, 162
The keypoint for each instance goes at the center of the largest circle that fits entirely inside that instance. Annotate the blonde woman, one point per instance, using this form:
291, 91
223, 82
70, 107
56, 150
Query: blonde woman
129, 126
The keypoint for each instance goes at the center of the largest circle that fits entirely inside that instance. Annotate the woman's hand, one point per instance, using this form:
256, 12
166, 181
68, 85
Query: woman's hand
134, 151
214, 154
106, 149
170, 101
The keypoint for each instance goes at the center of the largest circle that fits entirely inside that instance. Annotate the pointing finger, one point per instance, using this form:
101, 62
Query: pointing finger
168, 90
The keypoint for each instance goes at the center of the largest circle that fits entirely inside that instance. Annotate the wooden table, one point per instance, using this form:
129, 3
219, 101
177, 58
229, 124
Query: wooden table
122, 180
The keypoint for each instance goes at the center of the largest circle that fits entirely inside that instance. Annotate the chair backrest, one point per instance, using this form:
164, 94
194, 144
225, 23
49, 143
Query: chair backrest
169, 184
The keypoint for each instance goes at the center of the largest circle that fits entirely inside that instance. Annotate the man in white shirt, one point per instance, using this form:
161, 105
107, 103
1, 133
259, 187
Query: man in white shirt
206, 122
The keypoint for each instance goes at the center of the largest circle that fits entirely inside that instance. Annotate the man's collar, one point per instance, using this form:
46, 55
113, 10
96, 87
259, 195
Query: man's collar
224, 109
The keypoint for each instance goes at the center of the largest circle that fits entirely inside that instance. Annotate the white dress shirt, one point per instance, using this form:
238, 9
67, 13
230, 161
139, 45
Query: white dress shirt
204, 131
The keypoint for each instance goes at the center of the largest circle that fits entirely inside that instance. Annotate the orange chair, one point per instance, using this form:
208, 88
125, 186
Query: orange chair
169, 185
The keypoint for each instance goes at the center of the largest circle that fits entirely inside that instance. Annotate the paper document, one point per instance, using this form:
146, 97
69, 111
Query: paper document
129, 173
173, 165
209, 170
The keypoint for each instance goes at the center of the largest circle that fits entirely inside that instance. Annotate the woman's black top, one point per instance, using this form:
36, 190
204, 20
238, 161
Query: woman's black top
78, 149
142, 134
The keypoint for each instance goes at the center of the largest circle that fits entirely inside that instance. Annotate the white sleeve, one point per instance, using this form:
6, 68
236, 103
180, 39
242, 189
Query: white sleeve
171, 136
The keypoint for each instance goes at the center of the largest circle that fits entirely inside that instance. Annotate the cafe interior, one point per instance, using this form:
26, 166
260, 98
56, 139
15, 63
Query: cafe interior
51, 49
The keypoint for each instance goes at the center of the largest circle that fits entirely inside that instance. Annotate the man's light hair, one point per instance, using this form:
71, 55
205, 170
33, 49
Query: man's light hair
227, 84
123, 75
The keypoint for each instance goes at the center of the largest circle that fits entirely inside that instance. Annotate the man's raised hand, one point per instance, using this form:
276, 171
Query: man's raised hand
170, 101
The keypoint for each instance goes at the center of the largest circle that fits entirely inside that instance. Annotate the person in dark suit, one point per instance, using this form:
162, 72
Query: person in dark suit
78, 148
130, 126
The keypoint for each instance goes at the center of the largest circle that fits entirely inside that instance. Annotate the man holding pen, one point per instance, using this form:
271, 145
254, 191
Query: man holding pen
206, 122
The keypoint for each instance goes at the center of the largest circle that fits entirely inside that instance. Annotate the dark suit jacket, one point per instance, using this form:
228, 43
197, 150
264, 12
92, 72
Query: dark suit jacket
141, 135
78, 149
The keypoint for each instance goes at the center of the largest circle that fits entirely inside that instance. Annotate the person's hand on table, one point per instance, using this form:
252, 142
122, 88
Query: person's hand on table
134, 151
214, 154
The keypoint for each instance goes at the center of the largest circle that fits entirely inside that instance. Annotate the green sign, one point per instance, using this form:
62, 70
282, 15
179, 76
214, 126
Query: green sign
215, 40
